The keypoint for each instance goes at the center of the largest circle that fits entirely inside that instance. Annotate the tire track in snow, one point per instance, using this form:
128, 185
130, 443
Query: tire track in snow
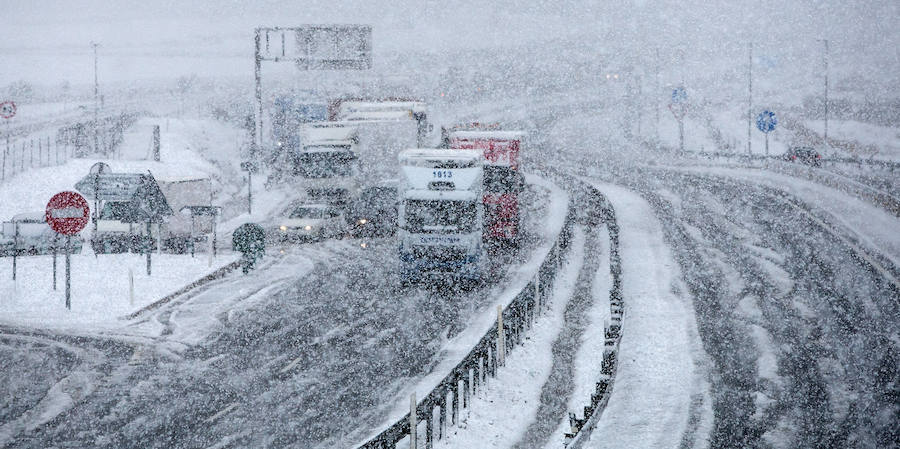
558, 388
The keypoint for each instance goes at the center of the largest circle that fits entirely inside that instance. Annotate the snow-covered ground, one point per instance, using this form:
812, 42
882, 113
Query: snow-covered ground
100, 291
661, 395
876, 228
883, 142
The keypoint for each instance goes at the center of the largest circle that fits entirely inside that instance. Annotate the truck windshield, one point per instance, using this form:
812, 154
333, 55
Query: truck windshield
324, 164
440, 216
308, 212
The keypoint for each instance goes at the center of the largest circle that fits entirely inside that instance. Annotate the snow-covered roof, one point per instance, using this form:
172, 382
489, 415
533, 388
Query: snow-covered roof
329, 146
30, 216
332, 133
496, 134
177, 179
429, 156
377, 115
355, 106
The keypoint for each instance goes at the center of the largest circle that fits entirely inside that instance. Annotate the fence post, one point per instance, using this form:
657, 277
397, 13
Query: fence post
412, 421
31, 155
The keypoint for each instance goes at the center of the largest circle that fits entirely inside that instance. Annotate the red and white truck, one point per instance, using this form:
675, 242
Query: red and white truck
503, 182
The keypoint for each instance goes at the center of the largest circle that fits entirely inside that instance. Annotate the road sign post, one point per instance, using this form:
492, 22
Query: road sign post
678, 106
766, 122
67, 213
7, 111
249, 167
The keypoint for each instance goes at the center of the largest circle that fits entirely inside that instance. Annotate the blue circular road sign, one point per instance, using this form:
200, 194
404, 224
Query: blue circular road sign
766, 121
679, 95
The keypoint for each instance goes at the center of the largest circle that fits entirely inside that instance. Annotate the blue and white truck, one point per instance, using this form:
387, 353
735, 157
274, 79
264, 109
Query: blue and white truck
441, 215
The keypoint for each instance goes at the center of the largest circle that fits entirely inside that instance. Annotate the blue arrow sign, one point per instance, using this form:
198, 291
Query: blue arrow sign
766, 121
679, 95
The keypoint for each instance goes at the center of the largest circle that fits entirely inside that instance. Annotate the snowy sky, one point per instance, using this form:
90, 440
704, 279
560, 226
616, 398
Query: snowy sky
48, 41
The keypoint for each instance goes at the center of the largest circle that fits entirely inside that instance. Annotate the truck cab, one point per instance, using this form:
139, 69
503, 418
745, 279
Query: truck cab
327, 165
503, 182
441, 214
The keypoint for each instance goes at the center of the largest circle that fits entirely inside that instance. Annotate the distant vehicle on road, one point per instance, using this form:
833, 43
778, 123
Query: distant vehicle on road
805, 155
441, 215
33, 237
311, 222
374, 213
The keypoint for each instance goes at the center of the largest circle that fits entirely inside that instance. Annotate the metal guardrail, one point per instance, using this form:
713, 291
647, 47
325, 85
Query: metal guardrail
481, 363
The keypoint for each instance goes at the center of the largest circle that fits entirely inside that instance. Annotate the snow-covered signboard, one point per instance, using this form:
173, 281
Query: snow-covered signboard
319, 47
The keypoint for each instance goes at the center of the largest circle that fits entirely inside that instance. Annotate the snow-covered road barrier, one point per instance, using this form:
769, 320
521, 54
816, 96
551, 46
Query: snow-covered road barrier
661, 396
454, 391
612, 331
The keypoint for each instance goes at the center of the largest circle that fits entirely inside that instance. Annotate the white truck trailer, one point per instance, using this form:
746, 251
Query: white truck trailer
441, 214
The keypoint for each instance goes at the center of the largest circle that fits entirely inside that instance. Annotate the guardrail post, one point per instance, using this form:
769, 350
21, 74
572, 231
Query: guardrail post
468, 383
442, 424
429, 426
412, 421
501, 338
455, 416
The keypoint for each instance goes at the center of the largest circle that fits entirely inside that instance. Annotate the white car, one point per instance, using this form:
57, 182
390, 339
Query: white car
312, 221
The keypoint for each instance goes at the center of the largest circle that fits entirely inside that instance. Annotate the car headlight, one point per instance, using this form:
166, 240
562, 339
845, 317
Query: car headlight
308, 227
363, 221
283, 228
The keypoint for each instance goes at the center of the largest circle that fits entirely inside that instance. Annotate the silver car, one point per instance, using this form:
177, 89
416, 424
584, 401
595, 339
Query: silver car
312, 222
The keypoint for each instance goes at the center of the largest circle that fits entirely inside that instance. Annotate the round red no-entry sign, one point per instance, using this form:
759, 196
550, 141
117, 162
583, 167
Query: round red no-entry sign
7, 109
67, 213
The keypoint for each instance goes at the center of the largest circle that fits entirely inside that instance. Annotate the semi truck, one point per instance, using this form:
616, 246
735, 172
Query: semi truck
326, 164
503, 182
383, 110
440, 214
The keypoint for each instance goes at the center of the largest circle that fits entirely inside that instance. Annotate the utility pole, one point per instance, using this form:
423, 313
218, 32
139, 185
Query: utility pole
749, 97
96, 101
257, 144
